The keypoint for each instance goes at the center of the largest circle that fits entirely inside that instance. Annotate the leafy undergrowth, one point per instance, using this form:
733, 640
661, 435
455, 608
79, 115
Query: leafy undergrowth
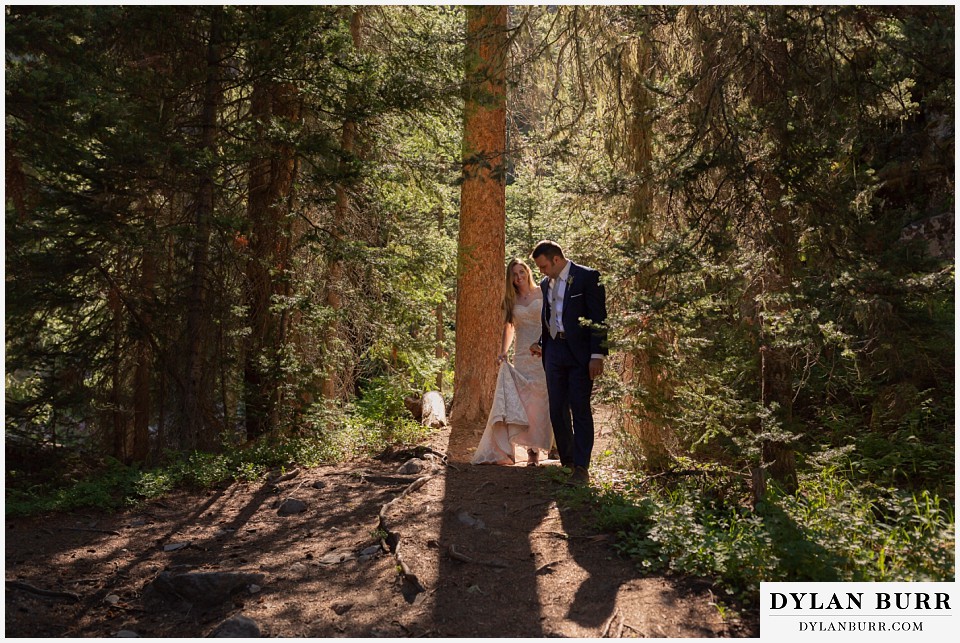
364, 430
701, 523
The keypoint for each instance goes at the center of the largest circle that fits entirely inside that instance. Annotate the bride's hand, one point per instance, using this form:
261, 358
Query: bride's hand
501, 358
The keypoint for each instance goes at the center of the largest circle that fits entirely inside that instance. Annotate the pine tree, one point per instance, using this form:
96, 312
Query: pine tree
482, 201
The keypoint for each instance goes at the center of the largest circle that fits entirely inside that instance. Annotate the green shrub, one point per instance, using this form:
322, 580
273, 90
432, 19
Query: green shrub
830, 530
379, 419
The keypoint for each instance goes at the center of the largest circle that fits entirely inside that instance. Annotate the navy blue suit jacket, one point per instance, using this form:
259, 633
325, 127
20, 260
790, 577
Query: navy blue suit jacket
584, 299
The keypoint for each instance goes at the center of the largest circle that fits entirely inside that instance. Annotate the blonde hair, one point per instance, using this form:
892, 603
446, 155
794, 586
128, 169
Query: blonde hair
510, 292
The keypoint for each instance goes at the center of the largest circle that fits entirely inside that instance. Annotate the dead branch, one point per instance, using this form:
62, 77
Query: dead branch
127, 608
97, 531
556, 534
488, 482
532, 505
388, 480
413, 588
457, 555
283, 478
16, 584
673, 473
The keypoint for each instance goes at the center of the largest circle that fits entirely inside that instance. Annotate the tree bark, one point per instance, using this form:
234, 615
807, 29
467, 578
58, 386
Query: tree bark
482, 217
779, 245
195, 420
639, 373
144, 361
270, 188
338, 380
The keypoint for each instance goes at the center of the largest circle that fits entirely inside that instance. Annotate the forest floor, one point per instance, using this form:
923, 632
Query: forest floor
487, 551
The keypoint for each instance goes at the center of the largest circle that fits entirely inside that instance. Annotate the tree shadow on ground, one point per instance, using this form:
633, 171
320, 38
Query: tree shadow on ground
232, 529
489, 513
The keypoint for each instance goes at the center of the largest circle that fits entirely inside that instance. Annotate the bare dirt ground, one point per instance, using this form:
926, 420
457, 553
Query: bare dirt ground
486, 551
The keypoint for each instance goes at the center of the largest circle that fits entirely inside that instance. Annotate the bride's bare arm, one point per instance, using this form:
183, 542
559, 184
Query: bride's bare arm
505, 341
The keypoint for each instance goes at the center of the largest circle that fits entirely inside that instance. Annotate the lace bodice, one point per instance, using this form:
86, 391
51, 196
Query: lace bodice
526, 324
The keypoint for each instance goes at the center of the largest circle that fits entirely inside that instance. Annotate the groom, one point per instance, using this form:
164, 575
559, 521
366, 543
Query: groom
573, 343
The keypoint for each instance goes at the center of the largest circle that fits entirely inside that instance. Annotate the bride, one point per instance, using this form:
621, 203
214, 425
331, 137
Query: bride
519, 419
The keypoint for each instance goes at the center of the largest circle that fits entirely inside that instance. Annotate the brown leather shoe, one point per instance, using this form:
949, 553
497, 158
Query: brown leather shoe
580, 477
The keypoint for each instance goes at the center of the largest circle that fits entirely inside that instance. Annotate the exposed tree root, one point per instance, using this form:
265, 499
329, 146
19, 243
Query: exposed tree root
388, 480
606, 627
411, 587
16, 584
91, 529
457, 555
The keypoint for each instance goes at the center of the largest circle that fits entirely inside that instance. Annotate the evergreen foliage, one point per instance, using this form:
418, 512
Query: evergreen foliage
127, 299
223, 214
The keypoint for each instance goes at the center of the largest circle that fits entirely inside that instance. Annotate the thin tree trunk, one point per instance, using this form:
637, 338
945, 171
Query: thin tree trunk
195, 432
440, 353
779, 243
144, 361
270, 189
15, 181
482, 218
118, 425
337, 380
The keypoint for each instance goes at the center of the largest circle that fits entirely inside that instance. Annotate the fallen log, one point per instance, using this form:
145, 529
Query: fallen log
429, 410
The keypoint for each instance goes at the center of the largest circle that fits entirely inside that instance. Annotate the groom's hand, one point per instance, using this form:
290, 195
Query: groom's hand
535, 350
596, 368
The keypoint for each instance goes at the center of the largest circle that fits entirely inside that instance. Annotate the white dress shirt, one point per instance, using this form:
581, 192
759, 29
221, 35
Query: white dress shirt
556, 307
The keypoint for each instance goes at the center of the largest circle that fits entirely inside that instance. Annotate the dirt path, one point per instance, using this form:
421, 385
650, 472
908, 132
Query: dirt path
491, 552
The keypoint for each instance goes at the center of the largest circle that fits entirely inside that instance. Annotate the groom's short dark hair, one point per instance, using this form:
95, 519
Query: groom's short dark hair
548, 249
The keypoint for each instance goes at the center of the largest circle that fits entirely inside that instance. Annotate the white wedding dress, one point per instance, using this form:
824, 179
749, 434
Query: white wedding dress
520, 417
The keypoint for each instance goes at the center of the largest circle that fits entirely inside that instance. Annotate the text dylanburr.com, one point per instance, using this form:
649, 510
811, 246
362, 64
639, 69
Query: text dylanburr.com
858, 611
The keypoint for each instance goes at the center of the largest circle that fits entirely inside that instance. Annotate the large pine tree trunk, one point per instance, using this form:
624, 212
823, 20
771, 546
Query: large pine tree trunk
482, 218
639, 372
196, 430
270, 186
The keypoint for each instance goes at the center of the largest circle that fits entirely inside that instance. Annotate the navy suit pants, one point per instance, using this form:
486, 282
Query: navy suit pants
569, 388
